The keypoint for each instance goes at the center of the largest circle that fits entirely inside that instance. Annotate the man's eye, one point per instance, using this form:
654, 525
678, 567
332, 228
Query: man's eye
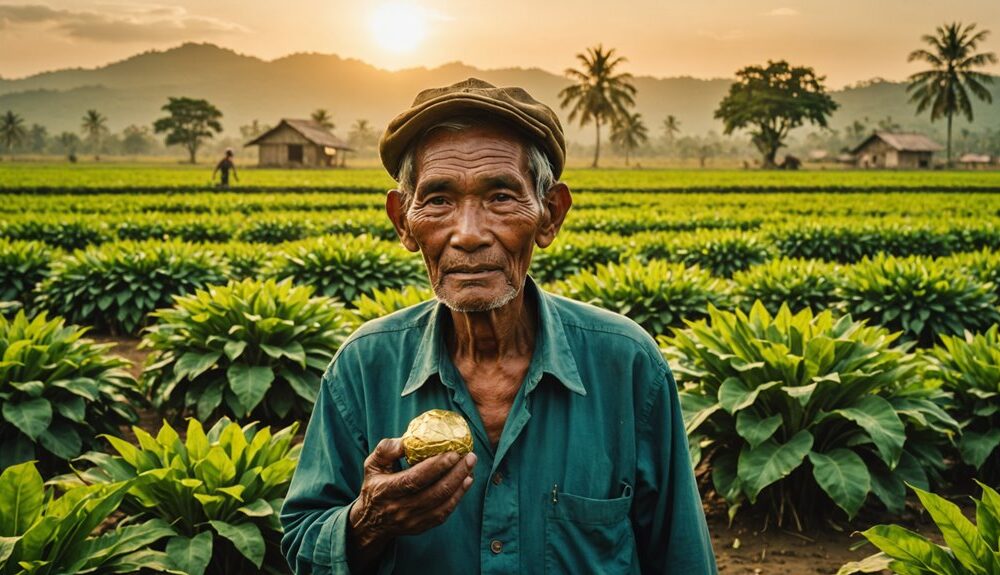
436, 201
502, 197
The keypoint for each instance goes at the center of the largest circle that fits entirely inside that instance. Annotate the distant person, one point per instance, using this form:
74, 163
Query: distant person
224, 165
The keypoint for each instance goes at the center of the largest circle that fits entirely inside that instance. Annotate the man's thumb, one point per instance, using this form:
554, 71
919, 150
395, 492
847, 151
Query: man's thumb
386, 454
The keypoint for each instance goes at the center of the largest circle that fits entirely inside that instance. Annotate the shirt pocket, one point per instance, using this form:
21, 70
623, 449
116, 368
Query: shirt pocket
585, 535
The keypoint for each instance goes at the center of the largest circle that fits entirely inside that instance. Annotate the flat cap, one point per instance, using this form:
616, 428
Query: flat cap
513, 106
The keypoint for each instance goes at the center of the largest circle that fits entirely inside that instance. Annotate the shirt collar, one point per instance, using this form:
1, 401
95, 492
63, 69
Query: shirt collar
552, 351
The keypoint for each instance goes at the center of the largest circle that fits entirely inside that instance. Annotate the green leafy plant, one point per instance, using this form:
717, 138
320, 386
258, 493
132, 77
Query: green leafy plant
798, 283
722, 252
655, 294
22, 265
384, 302
247, 349
113, 287
793, 410
58, 391
347, 267
274, 230
572, 253
919, 297
984, 266
245, 260
969, 367
221, 491
970, 548
44, 535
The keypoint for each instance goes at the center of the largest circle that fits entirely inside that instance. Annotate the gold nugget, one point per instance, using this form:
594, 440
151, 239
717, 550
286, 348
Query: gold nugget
436, 431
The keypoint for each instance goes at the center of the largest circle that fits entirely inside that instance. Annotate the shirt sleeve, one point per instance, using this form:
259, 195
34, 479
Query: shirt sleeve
326, 482
671, 531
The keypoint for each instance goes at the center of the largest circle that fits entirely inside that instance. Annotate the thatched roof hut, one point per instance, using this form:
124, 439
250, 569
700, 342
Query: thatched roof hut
896, 150
299, 143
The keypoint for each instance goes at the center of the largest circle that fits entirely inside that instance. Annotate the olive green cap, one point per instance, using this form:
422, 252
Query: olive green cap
512, 106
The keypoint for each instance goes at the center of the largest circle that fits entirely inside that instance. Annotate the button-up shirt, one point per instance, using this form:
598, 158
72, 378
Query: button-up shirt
591, 473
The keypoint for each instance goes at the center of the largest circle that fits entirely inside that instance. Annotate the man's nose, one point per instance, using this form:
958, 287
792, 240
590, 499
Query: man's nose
471, 232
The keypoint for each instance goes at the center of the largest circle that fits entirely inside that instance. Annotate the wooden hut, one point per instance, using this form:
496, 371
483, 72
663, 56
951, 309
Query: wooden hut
896, 150
299, 144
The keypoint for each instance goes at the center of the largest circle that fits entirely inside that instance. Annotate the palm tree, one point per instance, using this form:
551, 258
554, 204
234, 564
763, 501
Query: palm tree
671, 127
12, 131
361, 135
94, 126
945, 87
323, 118
629, 132
600, 94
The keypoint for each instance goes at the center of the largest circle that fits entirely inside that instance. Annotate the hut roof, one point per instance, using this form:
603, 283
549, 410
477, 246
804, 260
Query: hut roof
310, 130
903, 142
975, 159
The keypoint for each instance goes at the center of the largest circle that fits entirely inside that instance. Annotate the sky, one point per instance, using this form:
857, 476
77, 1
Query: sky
845, 40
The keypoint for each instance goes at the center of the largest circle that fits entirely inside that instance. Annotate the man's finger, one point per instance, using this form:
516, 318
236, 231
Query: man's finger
386, 454
420, 476
439, 492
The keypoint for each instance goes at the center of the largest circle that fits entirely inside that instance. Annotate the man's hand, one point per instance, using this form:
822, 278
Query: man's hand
408, 502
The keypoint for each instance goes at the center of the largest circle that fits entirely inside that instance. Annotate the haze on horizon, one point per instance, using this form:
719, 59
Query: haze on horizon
847, 40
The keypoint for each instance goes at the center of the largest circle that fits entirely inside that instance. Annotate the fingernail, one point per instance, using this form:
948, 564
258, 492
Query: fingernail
452, 458
467, 482
470, 460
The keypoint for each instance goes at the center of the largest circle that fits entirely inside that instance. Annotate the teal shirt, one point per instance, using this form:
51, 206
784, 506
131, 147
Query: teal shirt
591, 473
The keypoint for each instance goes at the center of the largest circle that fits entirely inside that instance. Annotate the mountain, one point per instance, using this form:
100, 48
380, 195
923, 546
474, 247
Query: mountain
245, 88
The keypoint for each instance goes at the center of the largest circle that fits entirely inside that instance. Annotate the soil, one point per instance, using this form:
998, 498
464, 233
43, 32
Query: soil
750, 546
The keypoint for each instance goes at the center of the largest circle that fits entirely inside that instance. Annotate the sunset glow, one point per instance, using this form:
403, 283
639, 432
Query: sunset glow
398, 27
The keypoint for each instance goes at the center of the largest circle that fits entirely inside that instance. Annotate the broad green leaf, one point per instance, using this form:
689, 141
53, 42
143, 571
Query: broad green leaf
250, 384
843, 476
959, 534
724, 478
735, 395
888, 487
7, 548
196, 441
21, 496
770, 462
234, 348
754, 429
61, 439
878, 418
245, 537
257, 508
876, 563
32, 417
976, 447
193, 364
911, 548
191, 555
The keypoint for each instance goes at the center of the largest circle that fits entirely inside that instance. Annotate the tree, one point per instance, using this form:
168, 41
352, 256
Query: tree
600, 94
94, 128
629, 132
137, 140
38, 138
253, 129
322, 117
945, 87
190, 121
361, 136
771, 101
68, 143
671, 127
887, 124
857, 131
12, 131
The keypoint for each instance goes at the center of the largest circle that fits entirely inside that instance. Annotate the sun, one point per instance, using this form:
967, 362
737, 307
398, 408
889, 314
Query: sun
399, 27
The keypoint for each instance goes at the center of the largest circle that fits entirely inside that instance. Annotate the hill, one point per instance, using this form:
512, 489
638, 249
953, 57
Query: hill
245, 88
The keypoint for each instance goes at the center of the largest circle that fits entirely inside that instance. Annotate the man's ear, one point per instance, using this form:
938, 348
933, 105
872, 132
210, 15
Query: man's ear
556, 206
397, 215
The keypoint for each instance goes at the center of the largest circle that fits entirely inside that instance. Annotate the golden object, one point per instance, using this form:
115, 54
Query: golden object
436, 431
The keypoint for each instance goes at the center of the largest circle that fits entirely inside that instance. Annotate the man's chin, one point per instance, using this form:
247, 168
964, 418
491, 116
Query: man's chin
467, 301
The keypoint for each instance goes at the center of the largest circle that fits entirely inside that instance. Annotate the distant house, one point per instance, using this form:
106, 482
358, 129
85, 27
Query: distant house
299, 143
975, 160
896, 150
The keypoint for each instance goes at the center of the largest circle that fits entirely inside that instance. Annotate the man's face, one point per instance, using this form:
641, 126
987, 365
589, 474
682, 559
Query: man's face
474, 216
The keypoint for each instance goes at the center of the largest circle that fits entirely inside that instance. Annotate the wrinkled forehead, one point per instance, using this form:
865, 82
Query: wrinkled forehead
481, 144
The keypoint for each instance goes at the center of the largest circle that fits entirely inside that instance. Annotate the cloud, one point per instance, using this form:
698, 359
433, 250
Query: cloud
121, 23
784, 11
727, 36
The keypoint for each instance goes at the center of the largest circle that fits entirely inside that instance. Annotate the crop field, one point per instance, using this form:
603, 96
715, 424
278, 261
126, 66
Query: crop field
833, 336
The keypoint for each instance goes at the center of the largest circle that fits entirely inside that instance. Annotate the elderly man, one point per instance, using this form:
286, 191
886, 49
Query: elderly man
580, 462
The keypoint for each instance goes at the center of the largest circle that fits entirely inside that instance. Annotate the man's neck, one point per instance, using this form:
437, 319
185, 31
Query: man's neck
491, 337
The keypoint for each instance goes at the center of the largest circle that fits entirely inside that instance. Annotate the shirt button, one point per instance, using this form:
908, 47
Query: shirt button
496, 546
497, 478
